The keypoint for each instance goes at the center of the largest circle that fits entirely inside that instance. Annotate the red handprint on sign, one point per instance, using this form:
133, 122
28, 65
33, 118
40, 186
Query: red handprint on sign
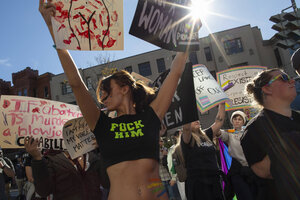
88, 25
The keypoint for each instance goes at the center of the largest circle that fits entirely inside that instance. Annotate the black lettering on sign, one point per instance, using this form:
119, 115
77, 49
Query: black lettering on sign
157, 22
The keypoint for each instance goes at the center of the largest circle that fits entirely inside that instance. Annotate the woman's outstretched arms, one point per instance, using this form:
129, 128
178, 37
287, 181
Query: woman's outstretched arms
164, 97
84, 99
219, 121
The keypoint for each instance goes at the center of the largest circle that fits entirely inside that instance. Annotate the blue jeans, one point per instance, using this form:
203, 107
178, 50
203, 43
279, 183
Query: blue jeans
168, 189
172, 191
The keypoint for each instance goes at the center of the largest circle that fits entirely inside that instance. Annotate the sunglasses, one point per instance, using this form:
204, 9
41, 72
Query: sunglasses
283, 77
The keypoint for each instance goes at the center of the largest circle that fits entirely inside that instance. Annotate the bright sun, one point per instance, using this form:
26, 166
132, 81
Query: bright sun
200, 8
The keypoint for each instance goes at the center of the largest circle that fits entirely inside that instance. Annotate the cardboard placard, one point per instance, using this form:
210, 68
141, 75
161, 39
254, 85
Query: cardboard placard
183, 108
239, 77
27, 116
88, 25
78, 137
166, 24
208, 91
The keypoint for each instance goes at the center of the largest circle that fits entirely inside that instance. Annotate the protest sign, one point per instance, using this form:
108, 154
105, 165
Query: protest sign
239, 77
183, 108
166, 24
251, 112
88, 25
78, 137
27, 116
208, 91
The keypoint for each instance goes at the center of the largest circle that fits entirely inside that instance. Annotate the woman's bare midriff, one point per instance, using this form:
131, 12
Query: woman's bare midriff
136, 180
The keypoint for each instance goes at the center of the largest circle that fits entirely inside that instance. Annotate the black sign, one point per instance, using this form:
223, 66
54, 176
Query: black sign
164, 23
183, 108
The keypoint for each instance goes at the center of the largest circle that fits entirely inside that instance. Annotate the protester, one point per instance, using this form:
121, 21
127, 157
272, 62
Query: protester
29, 185
20, 175
5, 170
163, 170
175, 183
203, 176
272, 139
67, 179
240, 176
129, 142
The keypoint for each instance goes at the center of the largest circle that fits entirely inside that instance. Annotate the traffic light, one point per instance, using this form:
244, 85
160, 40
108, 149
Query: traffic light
288, 27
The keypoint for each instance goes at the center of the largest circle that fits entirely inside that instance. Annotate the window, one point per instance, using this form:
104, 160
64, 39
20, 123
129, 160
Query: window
25, 92
66, 88
46, 93
233, 46
161, 66
278, 57
145, 69
129, 69
207, 53
89, 83
193, 58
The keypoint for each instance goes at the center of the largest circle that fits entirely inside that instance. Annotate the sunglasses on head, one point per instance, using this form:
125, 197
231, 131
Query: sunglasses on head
283, 77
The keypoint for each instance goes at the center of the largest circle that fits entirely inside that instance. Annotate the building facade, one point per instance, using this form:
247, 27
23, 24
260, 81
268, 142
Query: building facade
235, 47
28, 82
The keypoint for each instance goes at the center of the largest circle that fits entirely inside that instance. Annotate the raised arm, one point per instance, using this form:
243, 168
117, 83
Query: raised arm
164, 97
187, 132
84, 99
219, 121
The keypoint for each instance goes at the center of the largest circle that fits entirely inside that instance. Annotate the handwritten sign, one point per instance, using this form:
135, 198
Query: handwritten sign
78, 137
183, 108
208, 91
239, 77
138, 77
27, 116
166, 24
88, 25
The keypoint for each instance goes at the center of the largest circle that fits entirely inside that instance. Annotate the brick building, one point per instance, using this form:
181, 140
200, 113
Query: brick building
28, 82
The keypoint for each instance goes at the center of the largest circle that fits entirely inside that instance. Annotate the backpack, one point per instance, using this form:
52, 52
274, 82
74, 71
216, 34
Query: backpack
8, 179
179, 164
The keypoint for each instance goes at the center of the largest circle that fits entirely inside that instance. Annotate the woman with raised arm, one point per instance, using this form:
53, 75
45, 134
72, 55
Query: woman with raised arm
129, 142
271, 142
199, 152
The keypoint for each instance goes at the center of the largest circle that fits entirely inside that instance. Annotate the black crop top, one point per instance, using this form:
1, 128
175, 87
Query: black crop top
128, 137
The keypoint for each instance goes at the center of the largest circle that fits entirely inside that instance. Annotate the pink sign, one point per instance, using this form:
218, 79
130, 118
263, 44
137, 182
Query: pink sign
27, 116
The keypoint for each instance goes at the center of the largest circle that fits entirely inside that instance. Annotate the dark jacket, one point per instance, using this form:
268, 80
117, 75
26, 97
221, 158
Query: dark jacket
55, 174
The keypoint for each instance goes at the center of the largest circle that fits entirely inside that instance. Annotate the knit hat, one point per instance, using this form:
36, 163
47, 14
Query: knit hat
295, 59
242, 114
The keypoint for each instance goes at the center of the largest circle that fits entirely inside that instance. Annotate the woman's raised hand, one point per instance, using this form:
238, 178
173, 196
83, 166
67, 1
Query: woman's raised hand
31, 146
47, 9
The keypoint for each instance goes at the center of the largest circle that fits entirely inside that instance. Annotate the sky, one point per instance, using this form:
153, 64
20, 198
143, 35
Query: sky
26, 42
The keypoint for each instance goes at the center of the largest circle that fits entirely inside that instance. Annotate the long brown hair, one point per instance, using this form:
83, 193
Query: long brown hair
142, 95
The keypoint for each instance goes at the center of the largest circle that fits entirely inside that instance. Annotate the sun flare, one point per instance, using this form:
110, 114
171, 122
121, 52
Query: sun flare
200, 8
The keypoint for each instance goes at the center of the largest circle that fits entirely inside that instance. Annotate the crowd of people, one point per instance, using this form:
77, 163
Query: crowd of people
133, 163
